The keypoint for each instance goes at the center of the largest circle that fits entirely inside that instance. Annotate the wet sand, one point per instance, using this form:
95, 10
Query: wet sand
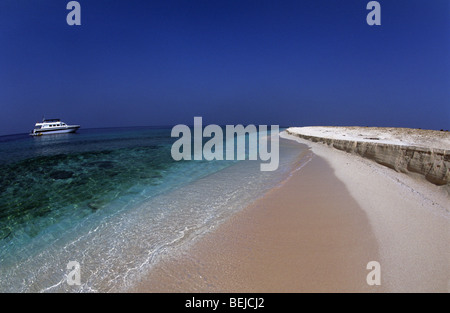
307, 235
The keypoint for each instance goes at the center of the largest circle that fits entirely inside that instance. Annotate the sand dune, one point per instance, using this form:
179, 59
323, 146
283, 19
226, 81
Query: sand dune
412, 151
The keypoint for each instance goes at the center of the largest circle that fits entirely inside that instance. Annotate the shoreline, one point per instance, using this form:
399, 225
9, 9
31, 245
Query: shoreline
293, 239
283, 243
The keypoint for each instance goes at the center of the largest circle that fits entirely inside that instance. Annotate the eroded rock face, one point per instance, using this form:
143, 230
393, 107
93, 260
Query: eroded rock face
432, 163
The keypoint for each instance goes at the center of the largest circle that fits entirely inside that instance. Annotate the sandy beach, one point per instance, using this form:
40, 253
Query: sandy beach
409, 216
317, 232
293, 239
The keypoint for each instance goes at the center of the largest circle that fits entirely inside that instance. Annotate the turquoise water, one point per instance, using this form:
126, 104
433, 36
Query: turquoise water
113, 200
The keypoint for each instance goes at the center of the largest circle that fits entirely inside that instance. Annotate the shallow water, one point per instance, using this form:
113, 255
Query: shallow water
114, 201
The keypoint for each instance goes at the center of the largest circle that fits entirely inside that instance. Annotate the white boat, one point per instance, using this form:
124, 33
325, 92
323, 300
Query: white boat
53, 126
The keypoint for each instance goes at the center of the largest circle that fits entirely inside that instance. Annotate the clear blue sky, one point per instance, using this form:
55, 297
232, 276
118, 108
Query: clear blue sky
135, 63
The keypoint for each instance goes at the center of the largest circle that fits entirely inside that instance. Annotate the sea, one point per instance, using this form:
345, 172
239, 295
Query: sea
115, 202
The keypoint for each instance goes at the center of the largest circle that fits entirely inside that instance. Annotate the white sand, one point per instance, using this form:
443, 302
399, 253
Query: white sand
410, 219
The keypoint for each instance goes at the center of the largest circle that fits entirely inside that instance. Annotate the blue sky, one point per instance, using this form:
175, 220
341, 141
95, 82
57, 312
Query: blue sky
292, 63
